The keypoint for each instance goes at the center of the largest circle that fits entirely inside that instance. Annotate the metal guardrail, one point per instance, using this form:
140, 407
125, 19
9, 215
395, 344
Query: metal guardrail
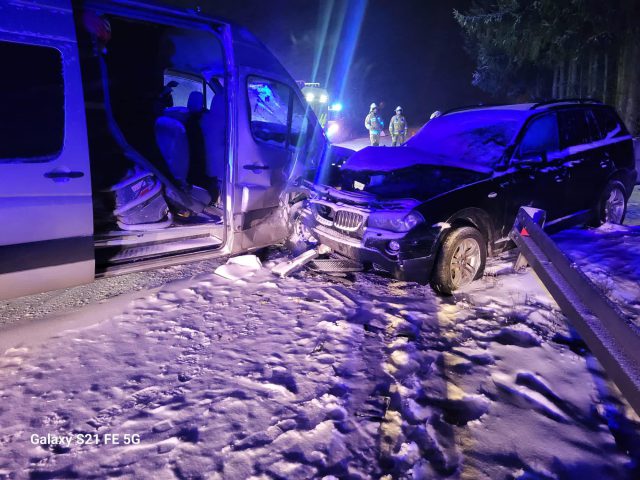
604, 329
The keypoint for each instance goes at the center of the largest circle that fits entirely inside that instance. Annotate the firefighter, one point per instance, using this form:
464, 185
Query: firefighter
374, 124
398, 128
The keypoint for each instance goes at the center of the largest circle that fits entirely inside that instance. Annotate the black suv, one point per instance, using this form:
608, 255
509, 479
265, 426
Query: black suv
433, 209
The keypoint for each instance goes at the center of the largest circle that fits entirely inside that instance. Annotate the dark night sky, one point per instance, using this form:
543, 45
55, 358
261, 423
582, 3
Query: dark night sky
408, 52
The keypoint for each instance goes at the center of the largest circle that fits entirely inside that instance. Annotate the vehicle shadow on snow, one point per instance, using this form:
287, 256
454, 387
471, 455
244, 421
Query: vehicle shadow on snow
410, 400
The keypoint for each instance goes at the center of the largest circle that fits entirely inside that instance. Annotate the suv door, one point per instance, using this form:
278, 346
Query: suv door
586, 178
612, 149
539, 177
45, 187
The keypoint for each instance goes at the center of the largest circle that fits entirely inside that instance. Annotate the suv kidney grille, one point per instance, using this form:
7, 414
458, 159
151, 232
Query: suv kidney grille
347, 220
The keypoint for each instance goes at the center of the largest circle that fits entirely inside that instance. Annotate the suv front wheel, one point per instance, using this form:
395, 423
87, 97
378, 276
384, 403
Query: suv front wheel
461, 260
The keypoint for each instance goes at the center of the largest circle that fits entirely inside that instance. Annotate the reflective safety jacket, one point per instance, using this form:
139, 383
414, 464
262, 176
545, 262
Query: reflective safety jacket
374, 123
398, 125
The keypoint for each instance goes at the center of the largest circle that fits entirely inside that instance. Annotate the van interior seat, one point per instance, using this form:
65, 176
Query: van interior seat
174, 141
213, 122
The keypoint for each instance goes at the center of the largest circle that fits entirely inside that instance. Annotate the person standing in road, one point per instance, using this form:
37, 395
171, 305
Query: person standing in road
398, 128
374, 124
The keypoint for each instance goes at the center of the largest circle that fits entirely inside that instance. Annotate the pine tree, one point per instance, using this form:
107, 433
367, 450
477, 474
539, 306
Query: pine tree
549, 49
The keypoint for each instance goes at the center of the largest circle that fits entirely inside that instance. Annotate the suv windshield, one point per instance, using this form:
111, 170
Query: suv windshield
476, 136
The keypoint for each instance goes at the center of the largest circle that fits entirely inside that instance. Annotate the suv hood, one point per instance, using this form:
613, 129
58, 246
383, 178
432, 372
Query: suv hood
388, 159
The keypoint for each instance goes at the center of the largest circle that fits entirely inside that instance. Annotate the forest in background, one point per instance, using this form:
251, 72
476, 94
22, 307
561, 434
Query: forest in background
546, 49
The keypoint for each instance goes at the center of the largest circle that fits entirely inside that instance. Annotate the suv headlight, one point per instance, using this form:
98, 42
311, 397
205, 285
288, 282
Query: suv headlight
390, 221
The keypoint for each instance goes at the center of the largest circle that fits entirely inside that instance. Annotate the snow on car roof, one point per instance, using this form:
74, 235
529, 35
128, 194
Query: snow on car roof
469, 139
516, 106
475, 137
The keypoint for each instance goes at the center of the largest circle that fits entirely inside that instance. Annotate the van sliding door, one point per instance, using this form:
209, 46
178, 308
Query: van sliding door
46, 219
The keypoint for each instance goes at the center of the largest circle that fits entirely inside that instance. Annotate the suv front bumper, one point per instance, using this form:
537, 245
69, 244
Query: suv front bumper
408, 264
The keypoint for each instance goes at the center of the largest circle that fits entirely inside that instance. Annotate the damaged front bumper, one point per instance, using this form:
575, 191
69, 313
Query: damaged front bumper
408, 263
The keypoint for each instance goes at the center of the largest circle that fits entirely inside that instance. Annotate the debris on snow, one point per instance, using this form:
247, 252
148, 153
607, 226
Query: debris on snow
239, 268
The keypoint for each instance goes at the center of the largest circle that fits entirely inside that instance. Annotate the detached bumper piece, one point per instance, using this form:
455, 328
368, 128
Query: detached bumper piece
335, 265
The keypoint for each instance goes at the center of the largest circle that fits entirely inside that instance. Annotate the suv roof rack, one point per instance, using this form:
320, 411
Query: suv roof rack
564, 100
471, 107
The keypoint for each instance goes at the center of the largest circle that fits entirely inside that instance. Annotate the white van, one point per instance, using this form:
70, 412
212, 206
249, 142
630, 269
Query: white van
112, 104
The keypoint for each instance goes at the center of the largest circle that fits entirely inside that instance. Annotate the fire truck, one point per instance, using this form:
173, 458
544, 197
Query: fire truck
330, 114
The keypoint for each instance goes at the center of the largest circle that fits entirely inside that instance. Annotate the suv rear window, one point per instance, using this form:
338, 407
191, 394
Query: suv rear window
609, 124
31, 103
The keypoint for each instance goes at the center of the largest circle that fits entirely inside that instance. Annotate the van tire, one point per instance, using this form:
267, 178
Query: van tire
299, 239
461, 260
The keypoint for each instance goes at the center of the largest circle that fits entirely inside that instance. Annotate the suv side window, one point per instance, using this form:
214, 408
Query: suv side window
31, 103
609, 124
574, 128
540, 138
271, 111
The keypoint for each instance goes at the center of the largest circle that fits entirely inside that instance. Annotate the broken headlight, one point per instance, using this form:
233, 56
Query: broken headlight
393, 222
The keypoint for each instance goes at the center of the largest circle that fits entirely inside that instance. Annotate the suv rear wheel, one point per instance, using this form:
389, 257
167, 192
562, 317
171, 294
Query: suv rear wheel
461, 260
612, 206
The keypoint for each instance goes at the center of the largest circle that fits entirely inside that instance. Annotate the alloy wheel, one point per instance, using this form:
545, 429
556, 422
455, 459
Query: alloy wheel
465, 262
614, 206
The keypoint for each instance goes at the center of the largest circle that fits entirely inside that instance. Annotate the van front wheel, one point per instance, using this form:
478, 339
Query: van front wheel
461, 260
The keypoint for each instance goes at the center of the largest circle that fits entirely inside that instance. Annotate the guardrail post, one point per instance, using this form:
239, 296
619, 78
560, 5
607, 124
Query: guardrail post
538, 216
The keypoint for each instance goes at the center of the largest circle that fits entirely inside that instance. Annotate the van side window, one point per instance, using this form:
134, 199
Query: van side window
31, 103
574, 128
183, 88
609, 124
270, 105
540, 138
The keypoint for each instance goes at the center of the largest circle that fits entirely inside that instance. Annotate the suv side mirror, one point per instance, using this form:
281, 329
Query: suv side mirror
531, 159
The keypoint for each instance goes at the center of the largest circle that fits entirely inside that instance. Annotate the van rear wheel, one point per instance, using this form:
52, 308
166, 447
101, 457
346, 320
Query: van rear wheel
461, 260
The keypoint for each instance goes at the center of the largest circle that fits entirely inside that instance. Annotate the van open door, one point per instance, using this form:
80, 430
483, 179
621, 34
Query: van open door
46, 218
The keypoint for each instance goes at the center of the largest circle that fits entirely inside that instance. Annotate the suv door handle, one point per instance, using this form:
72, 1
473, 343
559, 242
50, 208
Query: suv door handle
59, 175
256, 168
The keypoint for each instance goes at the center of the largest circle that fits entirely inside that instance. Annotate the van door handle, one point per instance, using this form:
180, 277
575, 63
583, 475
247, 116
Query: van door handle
256, 168
59, 175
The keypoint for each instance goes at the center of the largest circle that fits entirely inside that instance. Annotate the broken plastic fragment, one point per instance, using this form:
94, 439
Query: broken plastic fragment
285, 268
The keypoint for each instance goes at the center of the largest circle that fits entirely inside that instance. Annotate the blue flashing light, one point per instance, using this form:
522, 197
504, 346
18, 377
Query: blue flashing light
336, 107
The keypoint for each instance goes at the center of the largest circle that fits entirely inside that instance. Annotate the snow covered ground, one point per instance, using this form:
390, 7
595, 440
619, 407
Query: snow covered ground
633, 210
319, 377
314, 376
360, 143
